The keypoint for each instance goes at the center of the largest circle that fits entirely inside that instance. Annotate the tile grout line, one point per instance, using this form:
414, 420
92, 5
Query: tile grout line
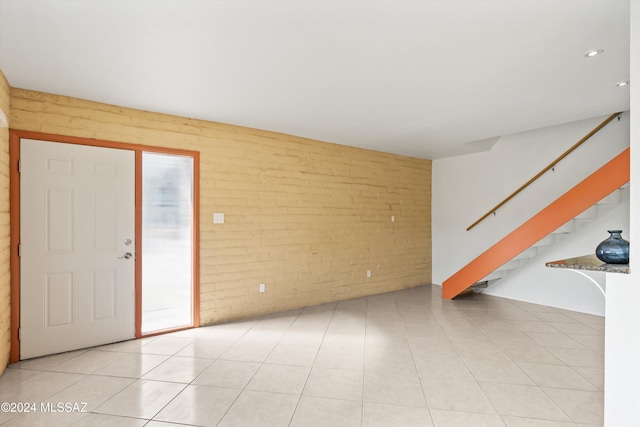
312, 363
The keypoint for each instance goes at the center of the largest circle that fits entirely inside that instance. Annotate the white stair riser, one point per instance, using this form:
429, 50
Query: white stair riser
591, 212
545, 241
613, 198
527, 253
569, 227
604, 208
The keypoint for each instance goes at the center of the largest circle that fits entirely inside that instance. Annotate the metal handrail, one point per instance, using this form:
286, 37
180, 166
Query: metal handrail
542, 172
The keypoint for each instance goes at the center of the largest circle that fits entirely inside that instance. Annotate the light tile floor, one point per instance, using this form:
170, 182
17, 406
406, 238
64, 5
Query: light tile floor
404, 358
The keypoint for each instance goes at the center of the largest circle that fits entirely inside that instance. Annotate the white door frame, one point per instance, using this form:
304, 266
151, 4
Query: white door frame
14, 161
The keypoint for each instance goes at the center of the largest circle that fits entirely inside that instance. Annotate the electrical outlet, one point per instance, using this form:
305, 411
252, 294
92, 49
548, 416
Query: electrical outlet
368, 273
261, 287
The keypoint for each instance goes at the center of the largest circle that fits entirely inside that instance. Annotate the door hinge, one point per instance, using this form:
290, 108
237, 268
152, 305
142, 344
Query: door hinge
19, 166
19, 334
19, 250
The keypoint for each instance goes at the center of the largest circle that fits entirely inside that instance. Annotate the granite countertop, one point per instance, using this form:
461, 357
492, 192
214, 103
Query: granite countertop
589, 262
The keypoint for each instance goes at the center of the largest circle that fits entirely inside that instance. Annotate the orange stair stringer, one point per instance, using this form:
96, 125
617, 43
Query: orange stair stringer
591, 190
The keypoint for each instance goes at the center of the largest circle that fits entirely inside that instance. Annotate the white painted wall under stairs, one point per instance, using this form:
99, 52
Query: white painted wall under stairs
533, 282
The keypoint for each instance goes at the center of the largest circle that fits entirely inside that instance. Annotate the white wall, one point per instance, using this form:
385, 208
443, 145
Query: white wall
622, 326
465, 187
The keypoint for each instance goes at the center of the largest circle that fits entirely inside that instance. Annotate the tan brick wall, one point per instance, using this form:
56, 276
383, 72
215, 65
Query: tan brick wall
306, 218
5, 303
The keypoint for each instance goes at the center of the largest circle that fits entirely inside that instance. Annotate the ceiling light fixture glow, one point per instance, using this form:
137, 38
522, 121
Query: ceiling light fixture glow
594, 52
620, 84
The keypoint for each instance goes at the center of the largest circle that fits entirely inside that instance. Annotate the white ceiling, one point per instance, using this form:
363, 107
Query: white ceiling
427, 79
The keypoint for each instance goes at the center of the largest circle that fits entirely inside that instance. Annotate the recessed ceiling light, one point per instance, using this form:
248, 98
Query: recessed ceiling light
620, 84
593, 53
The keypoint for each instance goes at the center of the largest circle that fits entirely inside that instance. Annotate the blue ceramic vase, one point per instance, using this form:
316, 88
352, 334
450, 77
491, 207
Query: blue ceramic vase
614, 250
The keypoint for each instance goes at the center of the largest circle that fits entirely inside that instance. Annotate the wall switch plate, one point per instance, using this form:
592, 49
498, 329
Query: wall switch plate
368, 273
393, 218
261, 287
218, 218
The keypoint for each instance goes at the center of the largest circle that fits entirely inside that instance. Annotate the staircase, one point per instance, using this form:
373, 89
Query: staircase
585, 202
596, 211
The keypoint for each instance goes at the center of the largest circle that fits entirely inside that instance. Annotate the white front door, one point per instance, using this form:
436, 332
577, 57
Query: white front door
77, 225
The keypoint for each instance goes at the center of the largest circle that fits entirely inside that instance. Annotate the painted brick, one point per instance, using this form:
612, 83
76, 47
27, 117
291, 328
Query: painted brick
306, 217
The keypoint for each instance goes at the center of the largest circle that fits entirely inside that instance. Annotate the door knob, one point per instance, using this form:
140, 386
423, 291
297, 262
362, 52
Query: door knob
127, 255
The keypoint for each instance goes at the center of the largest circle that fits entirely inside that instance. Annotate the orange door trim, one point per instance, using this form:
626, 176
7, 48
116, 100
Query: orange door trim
14, 217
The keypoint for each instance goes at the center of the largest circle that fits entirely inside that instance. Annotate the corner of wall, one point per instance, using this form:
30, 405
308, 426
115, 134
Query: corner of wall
622, 348
5, 283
